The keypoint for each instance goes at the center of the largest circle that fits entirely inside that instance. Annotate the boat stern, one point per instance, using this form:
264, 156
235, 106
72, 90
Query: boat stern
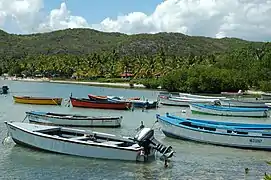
145, 138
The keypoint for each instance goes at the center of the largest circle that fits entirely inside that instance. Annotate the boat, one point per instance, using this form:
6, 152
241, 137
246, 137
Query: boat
228, 111
37, 100
103, 104
178, 101
137, 103
200, 96
266, 96
239, 93
94, 97
243, 103
142, 147
52, 118
4, 90
238, 135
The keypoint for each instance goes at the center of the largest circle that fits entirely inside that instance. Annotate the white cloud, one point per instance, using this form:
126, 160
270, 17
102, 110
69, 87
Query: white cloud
248, 19
62, 19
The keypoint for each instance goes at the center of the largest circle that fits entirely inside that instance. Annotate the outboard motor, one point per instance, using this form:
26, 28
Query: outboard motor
145, 138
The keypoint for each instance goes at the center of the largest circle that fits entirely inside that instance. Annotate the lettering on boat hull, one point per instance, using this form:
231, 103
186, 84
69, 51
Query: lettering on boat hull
255, 140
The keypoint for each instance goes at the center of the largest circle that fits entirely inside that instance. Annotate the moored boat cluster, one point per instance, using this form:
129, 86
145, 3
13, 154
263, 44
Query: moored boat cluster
51, 130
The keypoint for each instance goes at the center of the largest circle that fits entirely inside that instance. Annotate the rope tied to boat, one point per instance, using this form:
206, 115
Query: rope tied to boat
25, 117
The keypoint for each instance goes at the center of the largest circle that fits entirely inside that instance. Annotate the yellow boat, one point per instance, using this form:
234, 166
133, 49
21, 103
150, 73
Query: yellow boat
37, 100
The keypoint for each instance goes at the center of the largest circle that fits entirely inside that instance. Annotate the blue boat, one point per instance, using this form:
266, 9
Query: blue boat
240, 135
228, 111
138, 103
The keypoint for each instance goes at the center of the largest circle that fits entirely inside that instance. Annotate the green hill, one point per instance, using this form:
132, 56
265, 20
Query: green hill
85, 41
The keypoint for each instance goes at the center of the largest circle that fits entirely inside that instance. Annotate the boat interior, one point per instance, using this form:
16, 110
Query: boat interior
87, 137
227, 130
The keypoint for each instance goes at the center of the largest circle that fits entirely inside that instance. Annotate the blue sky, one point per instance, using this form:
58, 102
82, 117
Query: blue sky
95, 11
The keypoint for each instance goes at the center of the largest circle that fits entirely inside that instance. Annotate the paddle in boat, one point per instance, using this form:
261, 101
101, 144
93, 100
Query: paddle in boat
239, 135
228, 111
37, 100
52, 118
142, 147
103, 104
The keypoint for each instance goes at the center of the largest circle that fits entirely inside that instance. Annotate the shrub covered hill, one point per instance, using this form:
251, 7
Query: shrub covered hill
85, 41
175, 61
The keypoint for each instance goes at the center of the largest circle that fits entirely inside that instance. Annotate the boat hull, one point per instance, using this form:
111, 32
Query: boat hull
178, 101
37, 101
235, 103
76, 122
248, 142
84, 103
227, 111
69, 147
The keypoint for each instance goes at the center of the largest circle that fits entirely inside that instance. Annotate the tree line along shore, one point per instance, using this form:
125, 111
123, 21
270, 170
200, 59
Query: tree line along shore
171, 61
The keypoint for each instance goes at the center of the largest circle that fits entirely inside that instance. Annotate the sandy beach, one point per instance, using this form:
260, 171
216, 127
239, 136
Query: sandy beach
125, 85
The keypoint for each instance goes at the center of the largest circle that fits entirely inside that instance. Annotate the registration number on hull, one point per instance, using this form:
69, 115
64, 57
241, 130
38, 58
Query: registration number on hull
255, 140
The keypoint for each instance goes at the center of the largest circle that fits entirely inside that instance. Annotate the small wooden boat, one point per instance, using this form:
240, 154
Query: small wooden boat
228, 111
37, 100
179, 101
85, 143
200, 96
239, 103
87, 103
50, 118
239, 135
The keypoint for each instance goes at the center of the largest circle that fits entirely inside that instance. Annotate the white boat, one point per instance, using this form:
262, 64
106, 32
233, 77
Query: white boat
51, 118
88, 143
228, 111
239, 103
179, 101
266, 96
250, 136
200, 96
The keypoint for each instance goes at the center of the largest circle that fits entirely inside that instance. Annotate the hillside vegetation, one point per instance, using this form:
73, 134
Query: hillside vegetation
175, 61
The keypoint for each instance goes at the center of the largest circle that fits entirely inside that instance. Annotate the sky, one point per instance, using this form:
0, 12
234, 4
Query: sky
246, 19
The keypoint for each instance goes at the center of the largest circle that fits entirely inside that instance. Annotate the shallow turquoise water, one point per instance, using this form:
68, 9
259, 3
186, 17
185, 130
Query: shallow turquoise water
192, 160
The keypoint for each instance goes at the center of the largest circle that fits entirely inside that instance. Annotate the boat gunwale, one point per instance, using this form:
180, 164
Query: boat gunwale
88, 118
229, 109
36, 98
36, 133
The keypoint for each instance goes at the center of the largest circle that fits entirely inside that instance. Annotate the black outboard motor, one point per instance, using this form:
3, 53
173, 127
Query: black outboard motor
4, 90
145, 138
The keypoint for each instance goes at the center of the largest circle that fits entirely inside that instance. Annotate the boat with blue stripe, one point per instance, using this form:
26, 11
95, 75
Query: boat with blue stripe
228, 111
240, 135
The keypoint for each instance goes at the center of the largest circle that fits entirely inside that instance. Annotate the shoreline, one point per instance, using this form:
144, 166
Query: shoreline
102, 84
89, 83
